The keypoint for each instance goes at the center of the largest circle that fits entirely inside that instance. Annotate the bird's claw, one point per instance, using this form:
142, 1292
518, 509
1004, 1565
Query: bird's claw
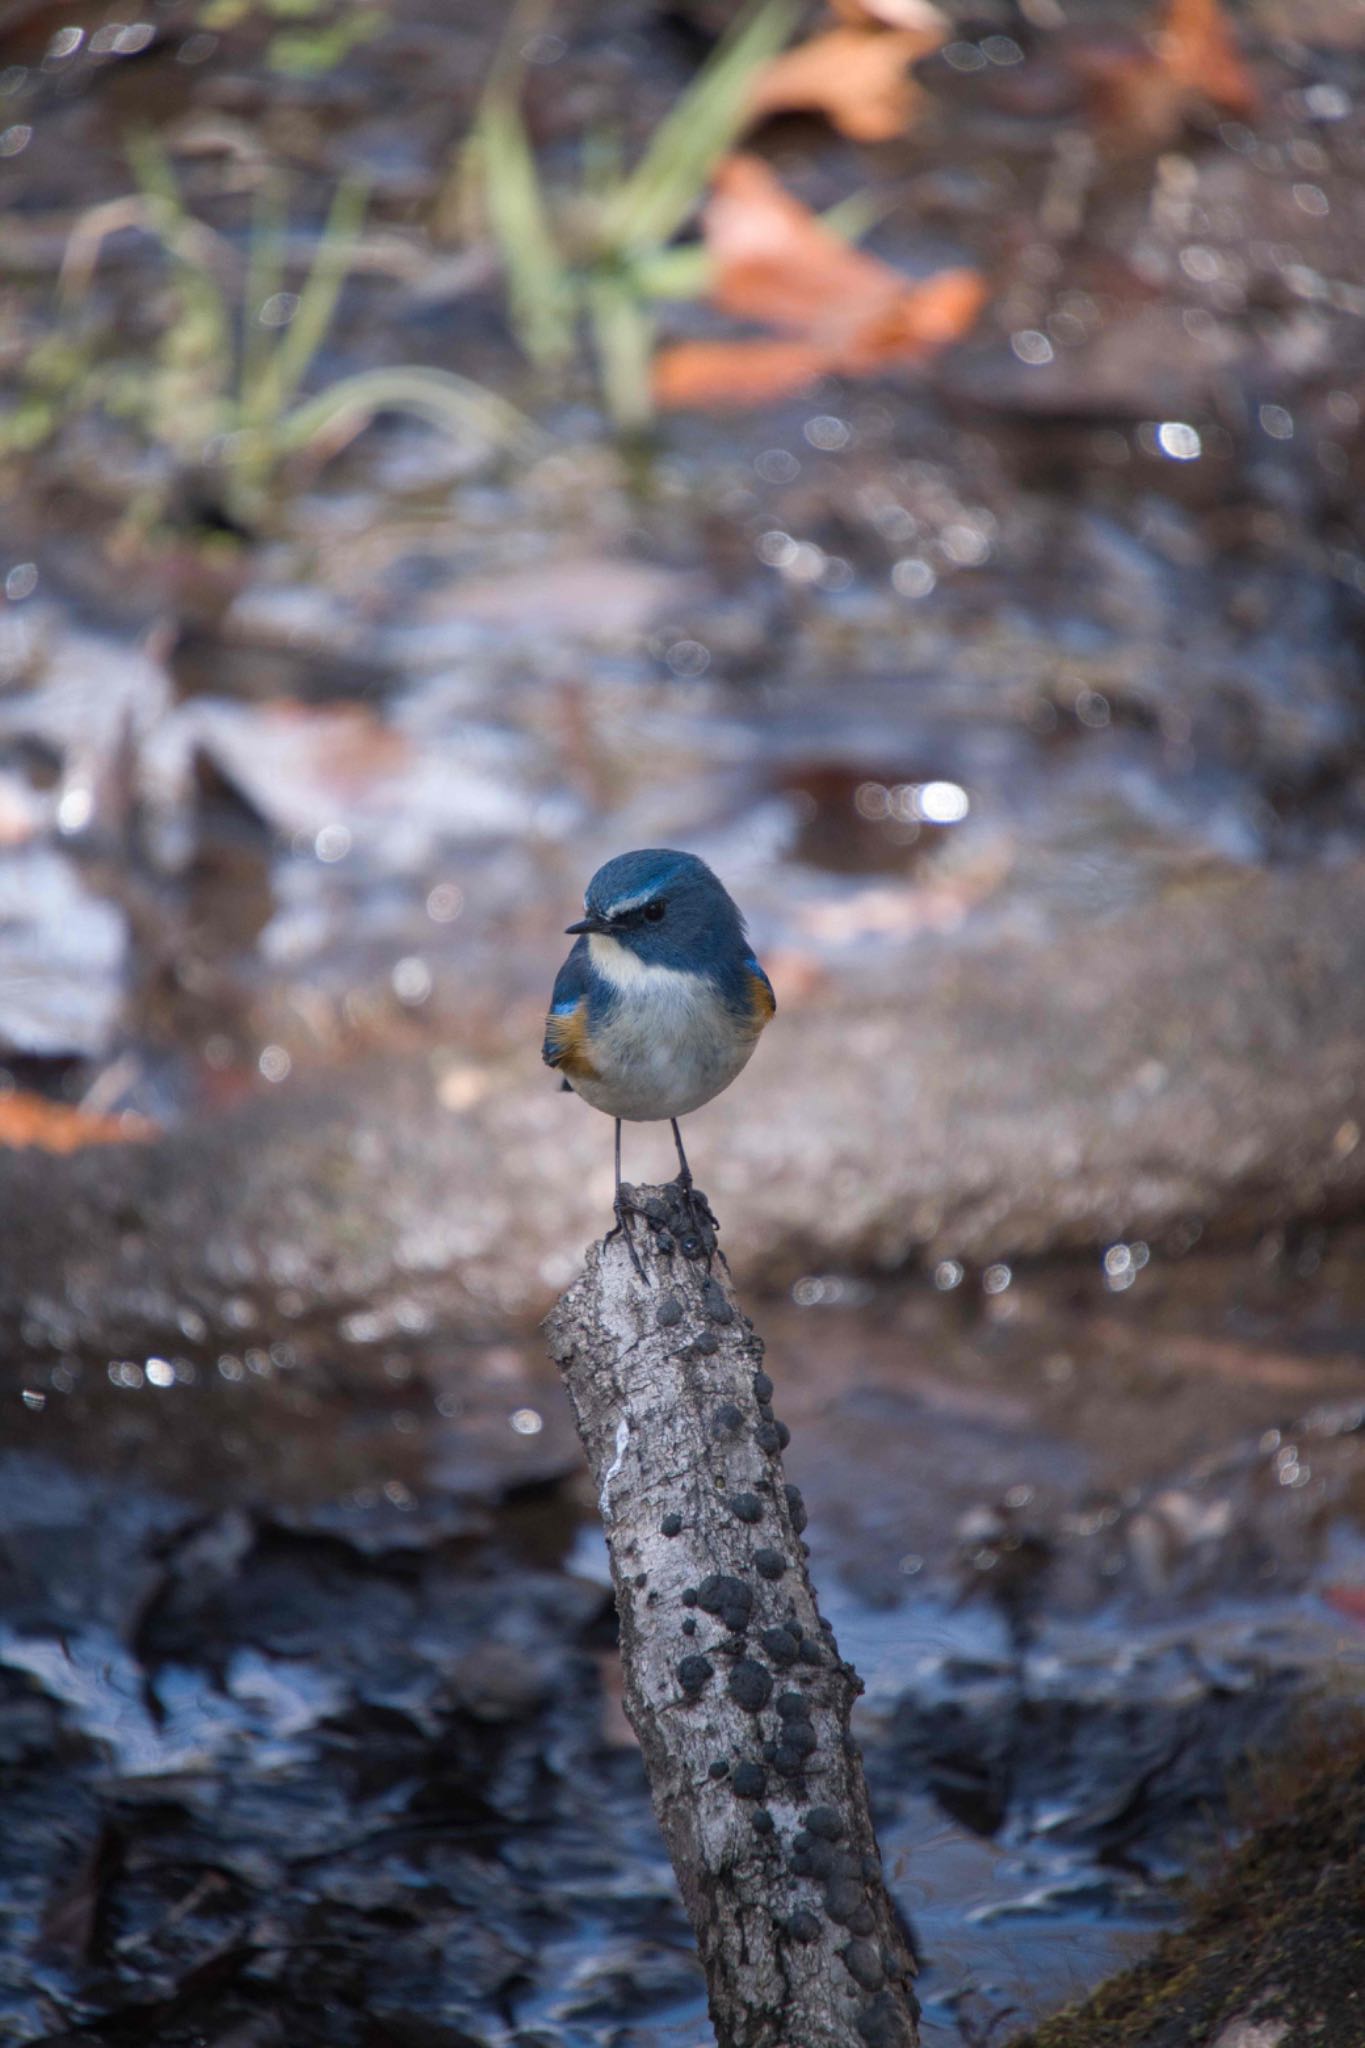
624, 1210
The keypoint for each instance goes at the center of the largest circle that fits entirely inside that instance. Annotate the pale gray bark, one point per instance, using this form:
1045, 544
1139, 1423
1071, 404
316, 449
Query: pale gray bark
733, 1683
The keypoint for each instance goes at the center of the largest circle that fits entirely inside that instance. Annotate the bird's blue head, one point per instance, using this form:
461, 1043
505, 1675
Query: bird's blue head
667, 909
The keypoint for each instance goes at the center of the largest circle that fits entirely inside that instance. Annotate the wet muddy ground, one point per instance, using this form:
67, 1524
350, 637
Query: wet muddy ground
1021, 706
311, 1722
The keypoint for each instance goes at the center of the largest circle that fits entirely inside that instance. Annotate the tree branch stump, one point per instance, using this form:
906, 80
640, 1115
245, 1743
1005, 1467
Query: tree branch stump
733, 1682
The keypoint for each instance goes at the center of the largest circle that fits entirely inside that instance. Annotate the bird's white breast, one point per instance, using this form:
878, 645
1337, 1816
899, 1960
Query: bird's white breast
670, 1043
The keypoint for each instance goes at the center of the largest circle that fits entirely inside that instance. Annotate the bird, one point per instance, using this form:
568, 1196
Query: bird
660, 1002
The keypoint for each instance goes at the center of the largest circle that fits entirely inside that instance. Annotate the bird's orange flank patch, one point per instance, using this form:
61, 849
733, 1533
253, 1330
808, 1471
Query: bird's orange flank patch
762, 1002
569, 1035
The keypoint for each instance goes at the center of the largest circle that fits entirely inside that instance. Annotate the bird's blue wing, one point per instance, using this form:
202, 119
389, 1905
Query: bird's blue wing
568, 1004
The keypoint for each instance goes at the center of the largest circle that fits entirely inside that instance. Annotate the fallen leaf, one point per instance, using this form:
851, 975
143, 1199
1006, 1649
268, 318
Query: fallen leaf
1348, 1600
857, 76
1199, 51
1143, 91
774, 263
706, 373
916, 14
32, 1120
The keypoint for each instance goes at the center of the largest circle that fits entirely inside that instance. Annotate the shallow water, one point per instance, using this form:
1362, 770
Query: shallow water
309, 1642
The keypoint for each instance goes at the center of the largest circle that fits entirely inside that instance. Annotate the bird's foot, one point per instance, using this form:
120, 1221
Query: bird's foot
700, 1214
690, 1221
624, 1209
680, 1220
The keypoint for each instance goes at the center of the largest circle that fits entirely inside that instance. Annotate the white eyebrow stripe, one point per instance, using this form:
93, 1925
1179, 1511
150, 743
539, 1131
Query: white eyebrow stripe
626, 903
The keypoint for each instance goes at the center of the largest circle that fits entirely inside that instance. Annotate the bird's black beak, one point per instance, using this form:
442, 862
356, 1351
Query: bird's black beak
587, 924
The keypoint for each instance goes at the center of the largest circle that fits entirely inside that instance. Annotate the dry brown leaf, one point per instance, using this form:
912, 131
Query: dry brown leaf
1143, 91
707, 373
1198, 50
858, 77
31, 1120
1348, 1600
915, 14
774, 263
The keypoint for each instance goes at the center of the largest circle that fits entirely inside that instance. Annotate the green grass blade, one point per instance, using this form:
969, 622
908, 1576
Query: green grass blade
205, 304
681, 273
289, 361
650, 206
539, 288
457, 405
623, 336
264, 278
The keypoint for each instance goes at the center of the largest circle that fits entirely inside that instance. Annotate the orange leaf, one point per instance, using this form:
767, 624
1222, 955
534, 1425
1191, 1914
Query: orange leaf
1143, 91
1199, 51
706, 373
855, 76
774, 263
1348, 1600
28, 1119
917, 14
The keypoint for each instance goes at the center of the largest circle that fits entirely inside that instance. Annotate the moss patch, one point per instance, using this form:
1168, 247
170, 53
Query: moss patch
1278, 1935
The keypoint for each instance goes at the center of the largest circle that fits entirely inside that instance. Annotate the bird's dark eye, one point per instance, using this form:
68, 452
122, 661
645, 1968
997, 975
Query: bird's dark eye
654, 911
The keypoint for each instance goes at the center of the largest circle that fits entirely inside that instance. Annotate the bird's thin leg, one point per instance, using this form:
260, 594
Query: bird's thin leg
698, 1208
684, 1170
622, 1212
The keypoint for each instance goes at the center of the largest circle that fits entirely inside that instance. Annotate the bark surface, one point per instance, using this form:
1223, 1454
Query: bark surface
733, 1682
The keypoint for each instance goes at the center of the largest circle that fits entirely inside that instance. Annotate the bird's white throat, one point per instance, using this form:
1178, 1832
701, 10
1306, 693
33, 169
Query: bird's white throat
625, 970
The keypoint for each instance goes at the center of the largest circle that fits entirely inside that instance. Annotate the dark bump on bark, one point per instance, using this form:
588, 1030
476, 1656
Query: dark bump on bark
768, 1438
826, 1822
883, 2023
811, 1653
814, 1858
750, 1686
723, 1594
690, 1625
640, 1580
694, 1674
765, 1412
747, 1506
763, 1387
769, 1752
872, 1868
803, 1926
671, 1525
670, 1312
689, 1596
714, 1302
727, 1419
862, 1921
718, 1769
784, 1435
763, 1821
864, 1964
793, 1706
749, 1781
797, 1506
704, 1345
843, 1896
790, 1760
779, 1647
769, 1563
